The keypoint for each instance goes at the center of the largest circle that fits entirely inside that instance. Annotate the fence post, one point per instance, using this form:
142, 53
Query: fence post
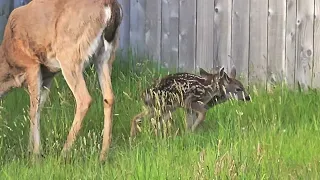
18, 3
5, 9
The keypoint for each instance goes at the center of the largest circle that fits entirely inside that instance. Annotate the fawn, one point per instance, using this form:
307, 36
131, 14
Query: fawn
184, 90
192, 92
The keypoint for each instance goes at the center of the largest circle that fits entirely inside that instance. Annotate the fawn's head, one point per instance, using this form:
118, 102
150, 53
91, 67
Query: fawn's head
233, 87
229, 86
216, 80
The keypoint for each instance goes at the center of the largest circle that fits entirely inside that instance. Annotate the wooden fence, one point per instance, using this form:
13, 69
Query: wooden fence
6, 6
266, 40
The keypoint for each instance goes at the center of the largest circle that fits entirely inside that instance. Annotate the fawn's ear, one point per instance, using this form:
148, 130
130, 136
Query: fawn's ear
233, 72
221, 72
204, 73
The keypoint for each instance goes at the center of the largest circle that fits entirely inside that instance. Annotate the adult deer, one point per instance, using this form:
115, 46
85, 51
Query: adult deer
45, 37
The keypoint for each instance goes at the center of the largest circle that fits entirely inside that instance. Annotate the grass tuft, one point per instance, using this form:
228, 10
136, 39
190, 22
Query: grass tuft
273, 137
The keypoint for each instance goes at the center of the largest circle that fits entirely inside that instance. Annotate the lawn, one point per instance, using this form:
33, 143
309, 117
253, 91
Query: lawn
273, 137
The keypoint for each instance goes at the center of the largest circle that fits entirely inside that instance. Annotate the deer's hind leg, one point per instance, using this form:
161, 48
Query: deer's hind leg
34, 81
103, 65
39, 83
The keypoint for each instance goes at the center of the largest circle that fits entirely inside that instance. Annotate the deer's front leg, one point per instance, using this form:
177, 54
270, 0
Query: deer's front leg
34, 81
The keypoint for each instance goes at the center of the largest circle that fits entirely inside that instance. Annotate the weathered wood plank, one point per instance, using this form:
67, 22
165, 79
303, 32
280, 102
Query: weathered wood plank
153, 29
304, 43
258, 42
137, 26
276, 41
290, 60
187, 35
125, 26
170, 34
5, 9
205, 16
222, 33
240, 38
316, 61
18, 3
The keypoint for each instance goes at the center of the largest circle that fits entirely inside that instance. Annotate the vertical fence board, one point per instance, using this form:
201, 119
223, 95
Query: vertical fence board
125, 25
276, 40
153, 29
240, 38
5, 9
305, 12
170, 33
205, 31
187, 35
258, 42
222, 33
291, 42
17, 3
137, 25
316, 61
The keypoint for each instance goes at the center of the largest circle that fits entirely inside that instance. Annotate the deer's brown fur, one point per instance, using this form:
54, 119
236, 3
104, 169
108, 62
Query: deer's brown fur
48, 36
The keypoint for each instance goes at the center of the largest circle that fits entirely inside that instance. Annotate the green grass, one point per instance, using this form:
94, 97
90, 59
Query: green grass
276, 136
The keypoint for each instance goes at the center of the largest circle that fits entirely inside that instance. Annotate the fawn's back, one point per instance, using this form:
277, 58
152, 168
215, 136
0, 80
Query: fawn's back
177, 90
185, 90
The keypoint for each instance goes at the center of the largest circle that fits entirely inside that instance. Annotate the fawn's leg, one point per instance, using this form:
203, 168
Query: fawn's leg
161, 118
134, 122
201, 110
34, 81
166, 116
190, 118
72, 73
190, 113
